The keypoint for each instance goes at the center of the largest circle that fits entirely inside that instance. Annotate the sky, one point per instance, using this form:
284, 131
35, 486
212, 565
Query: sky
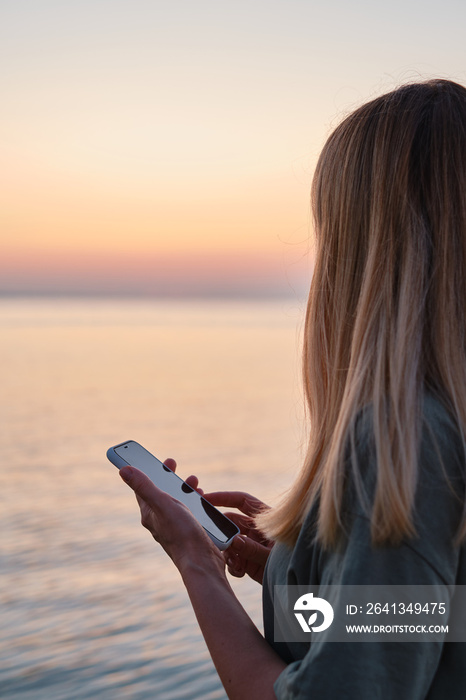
167, 148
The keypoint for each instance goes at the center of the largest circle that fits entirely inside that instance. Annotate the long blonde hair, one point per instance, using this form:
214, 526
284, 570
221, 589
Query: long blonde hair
386, 315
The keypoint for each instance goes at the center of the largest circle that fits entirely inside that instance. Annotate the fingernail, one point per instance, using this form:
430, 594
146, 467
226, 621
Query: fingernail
126, 473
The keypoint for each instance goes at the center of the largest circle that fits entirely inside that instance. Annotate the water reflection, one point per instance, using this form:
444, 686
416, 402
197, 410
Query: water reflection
91, 608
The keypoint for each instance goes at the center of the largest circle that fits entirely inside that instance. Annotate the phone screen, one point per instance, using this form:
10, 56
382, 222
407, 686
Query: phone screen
164, 478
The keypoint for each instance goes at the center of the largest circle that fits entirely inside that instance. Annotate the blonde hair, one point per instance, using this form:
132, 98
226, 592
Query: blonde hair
386, 315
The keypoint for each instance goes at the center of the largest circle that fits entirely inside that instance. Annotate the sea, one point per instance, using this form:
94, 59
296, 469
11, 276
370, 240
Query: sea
91, 606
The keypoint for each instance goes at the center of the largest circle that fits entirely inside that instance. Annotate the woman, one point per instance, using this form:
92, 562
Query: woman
381, 496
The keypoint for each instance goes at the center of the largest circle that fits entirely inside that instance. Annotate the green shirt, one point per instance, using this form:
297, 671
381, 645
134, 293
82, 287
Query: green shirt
381, 671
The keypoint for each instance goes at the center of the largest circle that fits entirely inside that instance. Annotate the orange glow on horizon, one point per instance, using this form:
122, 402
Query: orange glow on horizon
183, 141
211, 272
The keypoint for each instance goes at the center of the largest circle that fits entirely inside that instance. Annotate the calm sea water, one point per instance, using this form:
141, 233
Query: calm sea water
90, 605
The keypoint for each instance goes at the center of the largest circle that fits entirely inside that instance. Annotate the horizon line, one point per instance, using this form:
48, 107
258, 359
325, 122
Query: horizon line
225, 295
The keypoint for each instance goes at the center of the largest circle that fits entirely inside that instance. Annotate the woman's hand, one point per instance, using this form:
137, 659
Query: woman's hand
248, 553
171, 523
247, 665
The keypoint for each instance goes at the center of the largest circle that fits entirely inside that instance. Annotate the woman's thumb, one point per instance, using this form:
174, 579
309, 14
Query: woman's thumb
250, 549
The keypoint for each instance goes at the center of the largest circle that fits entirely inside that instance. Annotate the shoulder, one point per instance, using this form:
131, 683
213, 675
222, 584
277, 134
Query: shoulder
431, 554
441, 457
440, 435
440, 493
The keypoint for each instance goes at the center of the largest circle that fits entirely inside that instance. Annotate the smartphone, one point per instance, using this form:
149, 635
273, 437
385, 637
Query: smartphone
220, 529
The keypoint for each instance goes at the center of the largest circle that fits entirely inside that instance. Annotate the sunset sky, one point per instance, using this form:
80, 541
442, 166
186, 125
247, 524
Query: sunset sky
168, 147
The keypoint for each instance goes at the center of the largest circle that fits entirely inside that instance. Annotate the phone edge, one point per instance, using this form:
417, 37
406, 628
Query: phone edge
119, 463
